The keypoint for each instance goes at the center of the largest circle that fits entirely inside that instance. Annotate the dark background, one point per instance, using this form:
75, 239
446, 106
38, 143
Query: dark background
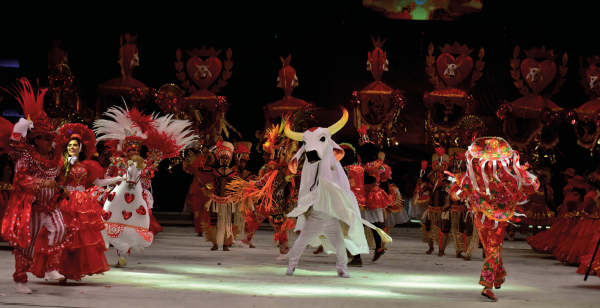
328, 40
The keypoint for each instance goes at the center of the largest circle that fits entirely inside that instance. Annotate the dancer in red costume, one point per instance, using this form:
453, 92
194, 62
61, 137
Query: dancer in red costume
82, 213
594, 181
577, 243
493, 186
538, 212
255, 215
274, 182
33, 223
200, 189
569, 214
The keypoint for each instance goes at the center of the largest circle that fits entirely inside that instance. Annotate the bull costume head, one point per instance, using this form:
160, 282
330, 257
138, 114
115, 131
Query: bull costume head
317, 144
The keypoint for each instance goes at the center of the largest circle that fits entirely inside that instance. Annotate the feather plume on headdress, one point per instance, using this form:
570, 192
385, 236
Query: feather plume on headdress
31, 102
169, 136
123, 129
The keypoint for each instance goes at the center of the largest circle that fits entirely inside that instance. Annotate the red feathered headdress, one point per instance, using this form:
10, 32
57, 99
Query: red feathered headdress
32, 104
82, 133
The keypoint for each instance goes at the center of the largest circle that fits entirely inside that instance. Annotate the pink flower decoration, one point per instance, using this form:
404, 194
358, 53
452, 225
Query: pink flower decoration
488, 276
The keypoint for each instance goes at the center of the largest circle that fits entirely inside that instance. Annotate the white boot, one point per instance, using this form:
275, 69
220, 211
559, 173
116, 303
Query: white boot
343, 274
291, 269
22, 288
282, 257
53, 275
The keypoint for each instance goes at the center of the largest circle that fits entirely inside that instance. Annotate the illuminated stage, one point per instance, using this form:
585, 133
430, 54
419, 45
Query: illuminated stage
179, 270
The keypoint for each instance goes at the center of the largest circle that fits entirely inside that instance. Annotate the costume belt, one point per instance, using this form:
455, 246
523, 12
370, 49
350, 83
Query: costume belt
217, 199
435, 209
458, 208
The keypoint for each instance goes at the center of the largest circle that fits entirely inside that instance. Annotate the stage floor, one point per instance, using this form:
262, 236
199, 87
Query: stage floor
179, 270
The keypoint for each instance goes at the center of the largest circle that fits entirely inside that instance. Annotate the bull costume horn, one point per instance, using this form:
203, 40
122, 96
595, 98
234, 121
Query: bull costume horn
332, 129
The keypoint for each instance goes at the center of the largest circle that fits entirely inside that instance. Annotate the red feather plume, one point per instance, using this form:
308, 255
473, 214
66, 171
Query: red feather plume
164, 143
6, 129
31, 102
144, 122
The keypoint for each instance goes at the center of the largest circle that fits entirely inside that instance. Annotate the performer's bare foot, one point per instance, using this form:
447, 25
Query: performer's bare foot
489, 294
467, 258
429, 251
483, 256
318, 251
251, 246
215, 247
441, 253
460, 255
199, 234
62, 281
225, 248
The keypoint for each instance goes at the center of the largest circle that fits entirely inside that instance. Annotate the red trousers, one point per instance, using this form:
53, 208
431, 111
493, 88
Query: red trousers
252, 225
48, 234
492, 238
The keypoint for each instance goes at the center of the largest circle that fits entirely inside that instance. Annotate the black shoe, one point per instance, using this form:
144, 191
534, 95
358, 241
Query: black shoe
355, 263
378, 254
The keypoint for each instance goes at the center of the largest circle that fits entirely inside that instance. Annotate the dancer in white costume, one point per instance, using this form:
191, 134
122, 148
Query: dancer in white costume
128, 205
126, 214
325, 200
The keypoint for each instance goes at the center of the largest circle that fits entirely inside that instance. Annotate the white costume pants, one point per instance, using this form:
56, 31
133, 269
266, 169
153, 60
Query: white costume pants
317, 224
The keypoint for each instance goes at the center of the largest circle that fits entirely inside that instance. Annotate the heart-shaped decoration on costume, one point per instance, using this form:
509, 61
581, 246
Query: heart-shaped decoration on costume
141, 210
538, 75
106, 215
126, 214
111, 196
454, 71
129, 197
204, 73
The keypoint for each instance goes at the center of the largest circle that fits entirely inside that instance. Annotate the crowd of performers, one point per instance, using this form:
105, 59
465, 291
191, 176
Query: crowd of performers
64, 209
573, 236
67, 201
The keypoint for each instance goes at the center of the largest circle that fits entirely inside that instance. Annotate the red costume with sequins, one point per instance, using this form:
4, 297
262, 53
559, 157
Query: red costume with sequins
83, 214
356, 177
33, 218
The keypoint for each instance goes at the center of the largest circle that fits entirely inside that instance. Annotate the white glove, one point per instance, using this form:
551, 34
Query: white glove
109, 181
22, 126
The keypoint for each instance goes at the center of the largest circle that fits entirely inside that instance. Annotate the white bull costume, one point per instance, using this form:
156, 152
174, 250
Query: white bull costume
325, 199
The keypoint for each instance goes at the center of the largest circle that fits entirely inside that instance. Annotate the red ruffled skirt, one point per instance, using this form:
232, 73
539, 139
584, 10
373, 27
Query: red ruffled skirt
539, 215
155, 227
548, 241
85, 256
577, 244
585, 260
377, 198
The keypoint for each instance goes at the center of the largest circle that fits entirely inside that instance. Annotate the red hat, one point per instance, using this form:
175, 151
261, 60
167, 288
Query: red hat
42, 125
85, 135
570, 172
223, 148
242, 150
578, 182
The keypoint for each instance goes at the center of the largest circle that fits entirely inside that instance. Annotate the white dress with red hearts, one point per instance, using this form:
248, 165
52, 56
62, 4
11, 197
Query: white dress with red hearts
126, 213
